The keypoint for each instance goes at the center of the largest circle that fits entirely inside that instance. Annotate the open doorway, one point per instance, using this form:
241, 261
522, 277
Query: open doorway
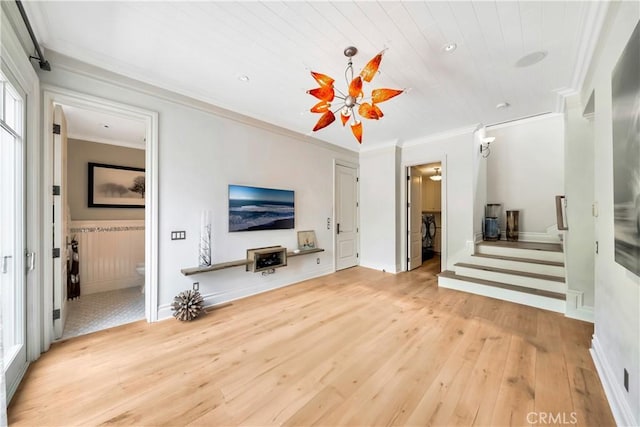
105, 231
424, 217
105, 172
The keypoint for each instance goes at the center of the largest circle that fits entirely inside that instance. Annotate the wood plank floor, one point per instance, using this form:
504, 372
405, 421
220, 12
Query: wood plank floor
355, 348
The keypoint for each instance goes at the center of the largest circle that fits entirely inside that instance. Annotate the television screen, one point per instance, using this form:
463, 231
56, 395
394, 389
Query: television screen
254, 208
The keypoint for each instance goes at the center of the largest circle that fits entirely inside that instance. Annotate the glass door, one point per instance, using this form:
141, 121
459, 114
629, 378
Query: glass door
12, 232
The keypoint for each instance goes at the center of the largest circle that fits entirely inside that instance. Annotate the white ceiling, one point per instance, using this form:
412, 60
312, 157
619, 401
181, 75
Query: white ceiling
104, 128
200, 49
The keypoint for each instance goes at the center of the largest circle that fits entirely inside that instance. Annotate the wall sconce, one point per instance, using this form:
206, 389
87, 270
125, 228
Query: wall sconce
484, 146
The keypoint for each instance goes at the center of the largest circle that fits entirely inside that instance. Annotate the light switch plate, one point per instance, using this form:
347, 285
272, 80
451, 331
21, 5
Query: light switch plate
178, 235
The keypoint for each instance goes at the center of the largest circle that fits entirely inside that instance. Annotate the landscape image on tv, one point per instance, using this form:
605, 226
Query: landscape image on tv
254, 208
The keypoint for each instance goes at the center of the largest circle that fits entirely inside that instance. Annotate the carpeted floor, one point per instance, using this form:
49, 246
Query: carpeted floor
94, 312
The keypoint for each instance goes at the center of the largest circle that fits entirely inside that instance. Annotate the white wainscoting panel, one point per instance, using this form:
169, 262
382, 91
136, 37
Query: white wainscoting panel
109, 252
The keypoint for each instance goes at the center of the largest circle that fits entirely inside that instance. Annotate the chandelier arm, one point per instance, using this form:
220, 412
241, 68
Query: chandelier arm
343, 96
349, 68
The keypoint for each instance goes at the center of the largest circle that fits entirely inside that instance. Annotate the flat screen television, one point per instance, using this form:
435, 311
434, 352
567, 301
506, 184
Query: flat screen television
255, 208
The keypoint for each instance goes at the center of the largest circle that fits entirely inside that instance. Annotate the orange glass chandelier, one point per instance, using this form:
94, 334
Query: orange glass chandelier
347, 103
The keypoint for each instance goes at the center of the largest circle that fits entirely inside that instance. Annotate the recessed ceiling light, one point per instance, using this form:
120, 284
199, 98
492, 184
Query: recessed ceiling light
503, 105
244, 78
530, 59
449, 47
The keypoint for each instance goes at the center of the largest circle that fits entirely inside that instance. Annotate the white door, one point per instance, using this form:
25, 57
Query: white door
346, 217
12, 233
414, 218
60, 220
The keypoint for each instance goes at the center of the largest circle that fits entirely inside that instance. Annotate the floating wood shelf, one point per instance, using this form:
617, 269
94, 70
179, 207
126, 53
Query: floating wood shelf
239, 263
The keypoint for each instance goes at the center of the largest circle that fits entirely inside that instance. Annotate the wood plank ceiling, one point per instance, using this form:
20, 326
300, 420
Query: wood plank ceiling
203, 49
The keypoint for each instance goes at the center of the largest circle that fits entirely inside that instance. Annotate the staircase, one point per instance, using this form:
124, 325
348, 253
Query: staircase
526, 273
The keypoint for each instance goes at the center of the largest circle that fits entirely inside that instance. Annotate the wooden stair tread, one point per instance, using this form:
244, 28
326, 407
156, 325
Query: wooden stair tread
514, 272
528, 260
523, 289
536, 246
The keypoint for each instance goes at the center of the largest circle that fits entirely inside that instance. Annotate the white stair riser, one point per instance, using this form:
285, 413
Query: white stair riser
521, 253
504, 294
551, 270
512, 279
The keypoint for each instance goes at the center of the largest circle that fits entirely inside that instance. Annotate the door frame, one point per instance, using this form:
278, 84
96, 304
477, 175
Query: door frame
404, 197
14, 59
339, 162
55, 95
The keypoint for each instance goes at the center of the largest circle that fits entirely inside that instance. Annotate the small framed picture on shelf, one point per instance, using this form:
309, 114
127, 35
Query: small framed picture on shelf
306, 240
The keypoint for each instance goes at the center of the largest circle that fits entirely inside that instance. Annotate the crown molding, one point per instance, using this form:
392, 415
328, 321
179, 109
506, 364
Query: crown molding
466, 130
524, 120
77, 66
593, 24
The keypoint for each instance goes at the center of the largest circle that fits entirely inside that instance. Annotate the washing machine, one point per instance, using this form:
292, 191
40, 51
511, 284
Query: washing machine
428, 235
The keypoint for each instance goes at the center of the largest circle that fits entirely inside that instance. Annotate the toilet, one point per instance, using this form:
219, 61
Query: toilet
140, 271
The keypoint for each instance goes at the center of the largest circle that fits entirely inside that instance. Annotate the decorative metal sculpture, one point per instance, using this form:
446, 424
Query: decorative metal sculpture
187, 305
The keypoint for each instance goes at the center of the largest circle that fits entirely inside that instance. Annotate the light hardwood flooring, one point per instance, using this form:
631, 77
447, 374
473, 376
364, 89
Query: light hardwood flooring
357, 348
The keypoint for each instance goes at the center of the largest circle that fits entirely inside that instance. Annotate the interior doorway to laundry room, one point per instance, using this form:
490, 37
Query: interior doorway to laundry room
102, 211
424, 217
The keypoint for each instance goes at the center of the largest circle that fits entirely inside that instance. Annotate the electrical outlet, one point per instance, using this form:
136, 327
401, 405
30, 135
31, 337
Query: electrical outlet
317, 260
626, 380
196, 286
178, 235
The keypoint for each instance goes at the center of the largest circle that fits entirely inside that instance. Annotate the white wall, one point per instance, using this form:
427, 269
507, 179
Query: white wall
525, 170
456, 153
378, 211
579, 245
202, 150
616, 341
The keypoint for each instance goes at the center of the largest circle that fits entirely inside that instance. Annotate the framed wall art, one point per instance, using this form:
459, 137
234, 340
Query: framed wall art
112, 186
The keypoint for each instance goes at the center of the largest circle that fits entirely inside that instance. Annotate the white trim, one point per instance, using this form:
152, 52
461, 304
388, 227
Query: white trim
89, 138
13, 387
217, 299
576, 308
15, 60
55, 95
443, 209
593, 24
620, 408
394, 143
123, 80
466, 130
524, 120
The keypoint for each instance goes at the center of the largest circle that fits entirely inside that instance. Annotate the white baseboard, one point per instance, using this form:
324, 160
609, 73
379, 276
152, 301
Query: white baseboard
213, 300
393, 269
576, 308
12, 388
612, 389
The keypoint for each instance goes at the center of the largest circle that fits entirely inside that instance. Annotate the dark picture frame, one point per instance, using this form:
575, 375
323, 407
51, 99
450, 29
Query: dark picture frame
112, 186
